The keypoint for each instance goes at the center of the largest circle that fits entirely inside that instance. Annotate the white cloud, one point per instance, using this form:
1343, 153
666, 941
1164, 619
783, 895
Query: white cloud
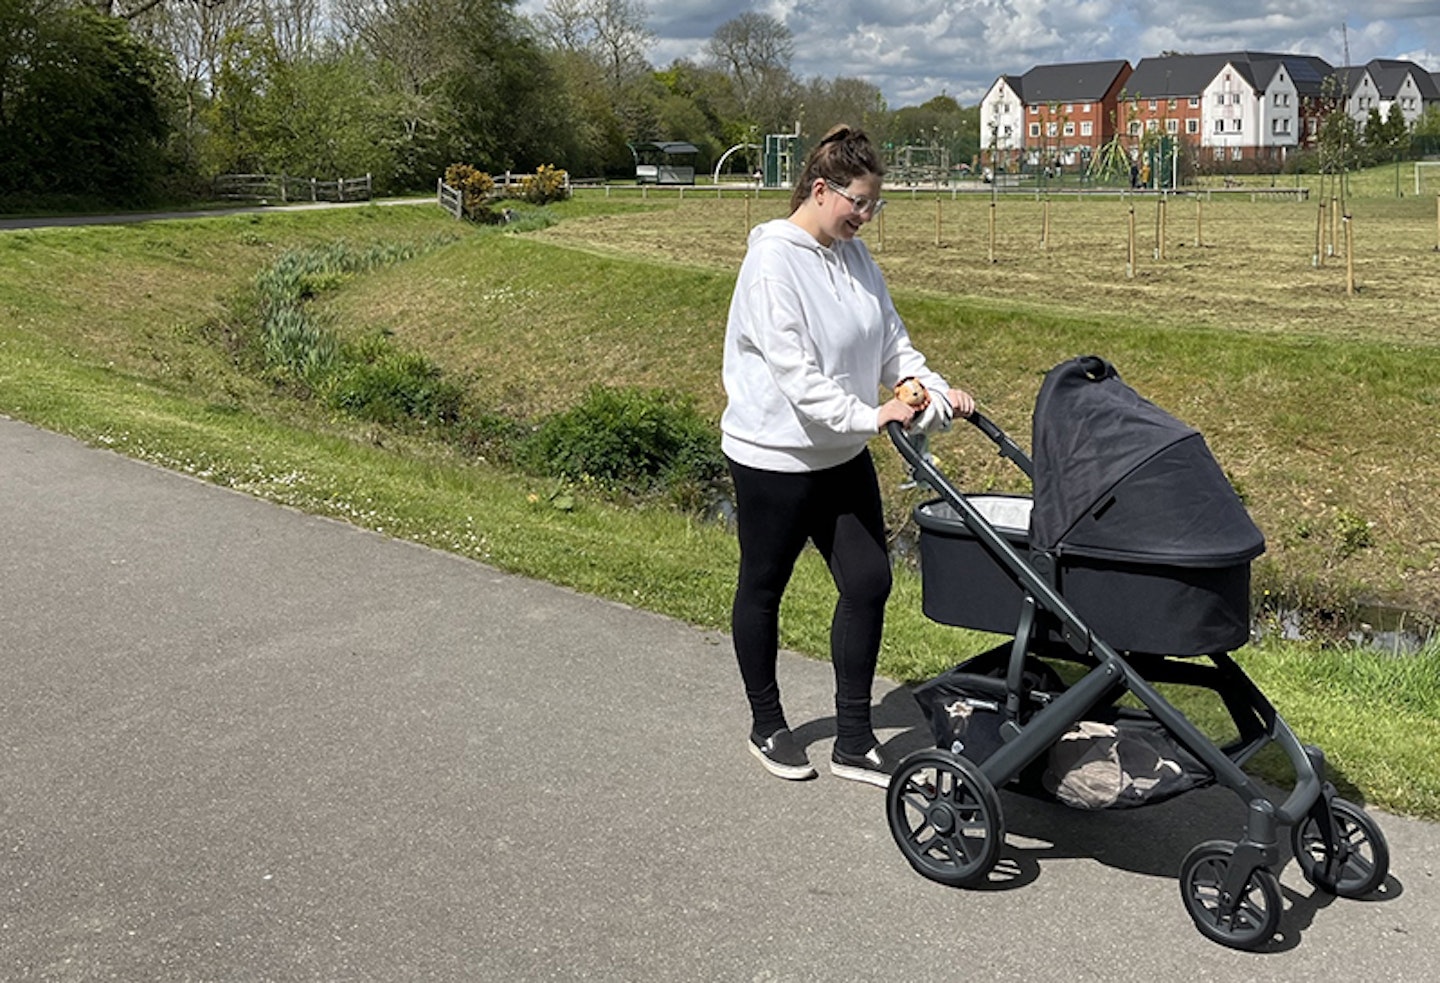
917, 49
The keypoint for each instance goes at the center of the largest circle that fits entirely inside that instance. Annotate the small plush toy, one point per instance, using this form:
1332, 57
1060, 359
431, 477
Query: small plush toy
911, 391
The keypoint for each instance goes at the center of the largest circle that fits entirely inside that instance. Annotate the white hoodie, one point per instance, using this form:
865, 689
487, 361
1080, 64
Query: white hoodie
811, 337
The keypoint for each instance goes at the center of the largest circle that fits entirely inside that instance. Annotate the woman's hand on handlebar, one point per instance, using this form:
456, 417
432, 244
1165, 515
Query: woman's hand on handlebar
895, 411
962, 402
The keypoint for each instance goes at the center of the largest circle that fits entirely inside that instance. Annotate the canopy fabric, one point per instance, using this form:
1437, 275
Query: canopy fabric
1116, 477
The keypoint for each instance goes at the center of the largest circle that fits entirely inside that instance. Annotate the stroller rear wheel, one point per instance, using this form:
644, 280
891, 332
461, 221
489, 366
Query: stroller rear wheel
1245, 921
1361, 855
945, 817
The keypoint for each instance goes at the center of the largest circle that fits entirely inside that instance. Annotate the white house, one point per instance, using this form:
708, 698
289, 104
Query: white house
1002, 115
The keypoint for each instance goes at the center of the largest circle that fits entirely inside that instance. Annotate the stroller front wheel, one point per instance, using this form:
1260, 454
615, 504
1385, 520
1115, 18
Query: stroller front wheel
1246, 920
945, 817
1351, 867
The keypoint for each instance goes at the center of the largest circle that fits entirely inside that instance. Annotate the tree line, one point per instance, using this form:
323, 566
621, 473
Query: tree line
138, 101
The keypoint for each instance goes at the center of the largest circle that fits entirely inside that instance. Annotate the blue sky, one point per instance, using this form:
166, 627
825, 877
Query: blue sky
916, 49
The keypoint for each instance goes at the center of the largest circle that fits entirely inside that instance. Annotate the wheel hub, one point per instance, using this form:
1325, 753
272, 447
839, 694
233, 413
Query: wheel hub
942, 818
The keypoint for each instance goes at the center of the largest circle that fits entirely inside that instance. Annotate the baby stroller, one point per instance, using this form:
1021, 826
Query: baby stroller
1130, 565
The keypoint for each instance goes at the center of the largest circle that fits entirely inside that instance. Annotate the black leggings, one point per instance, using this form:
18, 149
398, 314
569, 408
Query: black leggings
839, 510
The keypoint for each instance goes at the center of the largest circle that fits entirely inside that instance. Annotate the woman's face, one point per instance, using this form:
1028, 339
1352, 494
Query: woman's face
842, 214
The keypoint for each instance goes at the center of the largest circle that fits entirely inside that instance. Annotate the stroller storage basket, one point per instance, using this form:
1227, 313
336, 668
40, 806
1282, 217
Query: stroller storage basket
1137, 607
1117, 758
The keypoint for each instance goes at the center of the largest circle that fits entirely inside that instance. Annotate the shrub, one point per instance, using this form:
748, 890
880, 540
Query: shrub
547, 184
477, 192
382, 384
637, 440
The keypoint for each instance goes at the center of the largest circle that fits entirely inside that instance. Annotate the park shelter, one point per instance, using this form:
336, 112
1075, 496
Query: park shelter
665, 162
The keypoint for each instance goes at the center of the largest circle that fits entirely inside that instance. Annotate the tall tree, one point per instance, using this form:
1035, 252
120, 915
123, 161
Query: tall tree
755, 51
83, 105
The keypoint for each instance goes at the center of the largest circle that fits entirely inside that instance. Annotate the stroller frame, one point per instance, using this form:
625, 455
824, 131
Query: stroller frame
945, 814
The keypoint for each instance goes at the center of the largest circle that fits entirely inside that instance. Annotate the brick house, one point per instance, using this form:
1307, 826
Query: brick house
1053, 115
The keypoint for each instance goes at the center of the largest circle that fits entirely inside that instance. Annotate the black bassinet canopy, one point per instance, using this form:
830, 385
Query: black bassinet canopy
1118, 478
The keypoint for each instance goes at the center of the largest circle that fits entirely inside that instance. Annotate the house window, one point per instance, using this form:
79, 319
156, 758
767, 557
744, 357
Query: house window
1069, 129
1069, 107
1234, 98
1034, 110
1194, 102
1152, 105
1172, 126
1219, 98
1219, 126
1134, 128
1280, 126
1085, 108
1087, 128
1171, 104
1052, 128
1192, 126
1009, 130
1235, 125
1151, 125
1034, 129
1237, 153
1219, 153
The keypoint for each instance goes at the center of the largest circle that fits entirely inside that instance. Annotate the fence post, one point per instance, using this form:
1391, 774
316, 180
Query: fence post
1130, 253
1349, 258
283, 199
1160, 226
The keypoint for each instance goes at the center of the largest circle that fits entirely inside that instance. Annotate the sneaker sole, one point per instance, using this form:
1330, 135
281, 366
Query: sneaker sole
791, 773
877, 778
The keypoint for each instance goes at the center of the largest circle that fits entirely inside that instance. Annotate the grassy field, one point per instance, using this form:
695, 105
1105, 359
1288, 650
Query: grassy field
1318, 404
121, 335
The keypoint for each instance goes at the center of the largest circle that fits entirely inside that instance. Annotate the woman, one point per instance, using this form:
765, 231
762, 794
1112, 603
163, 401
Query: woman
812, 336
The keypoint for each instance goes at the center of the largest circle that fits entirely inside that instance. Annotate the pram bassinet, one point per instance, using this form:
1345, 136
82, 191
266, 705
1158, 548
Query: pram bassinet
1132, 520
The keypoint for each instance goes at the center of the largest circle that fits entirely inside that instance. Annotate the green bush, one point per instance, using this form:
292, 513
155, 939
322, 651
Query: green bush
382, 384
630, 439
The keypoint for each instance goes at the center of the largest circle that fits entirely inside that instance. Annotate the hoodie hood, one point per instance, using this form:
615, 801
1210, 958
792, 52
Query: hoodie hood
835, 257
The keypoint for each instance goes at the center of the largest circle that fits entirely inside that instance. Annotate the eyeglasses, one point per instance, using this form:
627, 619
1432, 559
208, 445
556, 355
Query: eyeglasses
860, 203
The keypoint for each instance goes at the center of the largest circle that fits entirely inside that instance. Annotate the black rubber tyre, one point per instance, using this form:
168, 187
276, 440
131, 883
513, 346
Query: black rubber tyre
945, 817
1361, 850
1256, 917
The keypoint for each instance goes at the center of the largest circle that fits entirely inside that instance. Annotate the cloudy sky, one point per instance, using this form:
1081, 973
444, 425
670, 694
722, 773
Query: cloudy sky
917, 49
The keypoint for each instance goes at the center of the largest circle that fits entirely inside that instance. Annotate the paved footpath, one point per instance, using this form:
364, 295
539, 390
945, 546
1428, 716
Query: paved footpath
240, 743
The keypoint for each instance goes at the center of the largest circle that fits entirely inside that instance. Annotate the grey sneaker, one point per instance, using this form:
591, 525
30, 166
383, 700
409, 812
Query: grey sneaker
869, 767
781, 756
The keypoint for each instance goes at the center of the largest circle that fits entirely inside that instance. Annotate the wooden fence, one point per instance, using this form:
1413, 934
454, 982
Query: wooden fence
450, 199
286, 188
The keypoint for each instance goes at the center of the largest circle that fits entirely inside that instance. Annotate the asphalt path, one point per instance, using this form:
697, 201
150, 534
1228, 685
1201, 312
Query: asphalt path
238, 742
130, 218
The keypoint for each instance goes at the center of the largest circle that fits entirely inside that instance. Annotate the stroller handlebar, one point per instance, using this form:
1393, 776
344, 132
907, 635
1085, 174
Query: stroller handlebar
1007, 447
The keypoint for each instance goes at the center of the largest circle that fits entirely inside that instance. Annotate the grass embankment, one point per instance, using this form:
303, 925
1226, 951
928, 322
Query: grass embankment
118, 336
